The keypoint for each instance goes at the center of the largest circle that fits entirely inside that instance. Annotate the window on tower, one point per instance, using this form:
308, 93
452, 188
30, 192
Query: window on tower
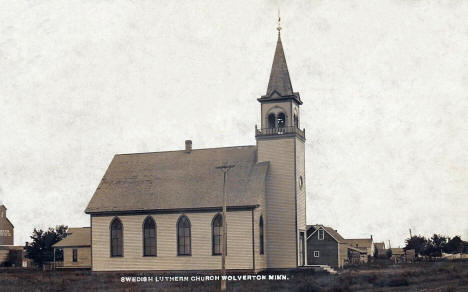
296, 121
271, 121
281, 120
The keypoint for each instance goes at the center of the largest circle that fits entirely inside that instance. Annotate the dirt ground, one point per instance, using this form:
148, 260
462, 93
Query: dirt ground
433, 276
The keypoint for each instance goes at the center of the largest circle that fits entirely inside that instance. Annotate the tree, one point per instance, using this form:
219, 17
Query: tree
389, 253
454, 245
436, 245
40, 249
418, 243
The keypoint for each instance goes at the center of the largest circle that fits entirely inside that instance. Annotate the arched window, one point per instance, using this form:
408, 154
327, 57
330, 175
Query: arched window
260, 227
271, 121
296, 121
217, 234
183, 236
281, 120
149, 237
116, 235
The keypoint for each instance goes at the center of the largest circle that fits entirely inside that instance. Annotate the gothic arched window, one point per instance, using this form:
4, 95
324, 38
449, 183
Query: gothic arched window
217, 234
184, 245
281, 120
260, 227
149, 237
271, 121
116, 235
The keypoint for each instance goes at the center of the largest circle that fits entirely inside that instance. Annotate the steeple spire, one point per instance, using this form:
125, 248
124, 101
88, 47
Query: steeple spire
280, 83
279, 23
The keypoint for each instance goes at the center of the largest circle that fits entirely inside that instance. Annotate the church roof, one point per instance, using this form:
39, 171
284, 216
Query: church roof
180, 180
76, 237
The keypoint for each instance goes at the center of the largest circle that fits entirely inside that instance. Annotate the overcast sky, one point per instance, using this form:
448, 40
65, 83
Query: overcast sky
384, 85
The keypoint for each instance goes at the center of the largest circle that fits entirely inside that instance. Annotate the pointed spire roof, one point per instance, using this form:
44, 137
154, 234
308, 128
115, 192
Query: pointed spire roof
279, 85
279, 76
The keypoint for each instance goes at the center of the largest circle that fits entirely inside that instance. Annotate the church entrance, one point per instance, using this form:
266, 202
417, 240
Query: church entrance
301, 249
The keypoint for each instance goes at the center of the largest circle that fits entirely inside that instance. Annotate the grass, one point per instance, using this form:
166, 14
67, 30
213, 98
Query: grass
432, 276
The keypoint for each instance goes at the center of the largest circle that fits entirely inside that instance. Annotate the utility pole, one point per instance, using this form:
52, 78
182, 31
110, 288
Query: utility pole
225, 168
410, 233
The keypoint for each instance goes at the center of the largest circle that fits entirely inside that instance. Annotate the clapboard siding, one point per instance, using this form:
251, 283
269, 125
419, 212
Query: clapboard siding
301, 192
327, 248
84, 257
239, 255
280, 212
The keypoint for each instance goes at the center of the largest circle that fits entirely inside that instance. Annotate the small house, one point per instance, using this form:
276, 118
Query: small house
363, 244
76, 248
325, 246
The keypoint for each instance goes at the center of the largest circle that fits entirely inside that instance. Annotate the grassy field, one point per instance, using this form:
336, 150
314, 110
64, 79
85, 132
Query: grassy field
435, 276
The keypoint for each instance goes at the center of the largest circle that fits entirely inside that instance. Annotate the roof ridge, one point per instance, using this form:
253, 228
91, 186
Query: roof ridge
183, 150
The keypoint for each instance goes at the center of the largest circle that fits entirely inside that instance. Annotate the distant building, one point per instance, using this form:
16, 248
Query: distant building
363, 244
10, 255
6, 227
380, 249
356, 256
410, 255
76, 248
325, 246
398, 255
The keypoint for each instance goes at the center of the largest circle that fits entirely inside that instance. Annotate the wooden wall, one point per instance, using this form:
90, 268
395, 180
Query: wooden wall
239, 254
83, 260
301, 193
328, 249
6, 228
281, 232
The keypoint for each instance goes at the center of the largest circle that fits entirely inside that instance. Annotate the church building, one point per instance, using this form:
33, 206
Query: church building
163, 210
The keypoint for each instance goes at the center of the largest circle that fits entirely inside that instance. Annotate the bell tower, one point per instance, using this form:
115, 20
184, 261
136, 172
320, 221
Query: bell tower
281, 142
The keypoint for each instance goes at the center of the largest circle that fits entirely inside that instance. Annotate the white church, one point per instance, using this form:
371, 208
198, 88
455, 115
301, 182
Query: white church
163, 210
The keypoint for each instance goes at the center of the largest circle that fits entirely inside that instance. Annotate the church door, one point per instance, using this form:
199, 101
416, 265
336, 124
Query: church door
301, 249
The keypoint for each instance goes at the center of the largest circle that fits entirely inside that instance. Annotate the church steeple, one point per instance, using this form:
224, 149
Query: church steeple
279, 85
281, 142
279, 76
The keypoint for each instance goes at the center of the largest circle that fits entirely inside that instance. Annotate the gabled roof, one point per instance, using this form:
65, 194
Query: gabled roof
332, 232
180, 180
397, 251
76, 237
360, 242
356, 249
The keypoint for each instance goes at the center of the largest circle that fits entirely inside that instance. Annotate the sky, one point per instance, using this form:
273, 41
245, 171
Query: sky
384, 86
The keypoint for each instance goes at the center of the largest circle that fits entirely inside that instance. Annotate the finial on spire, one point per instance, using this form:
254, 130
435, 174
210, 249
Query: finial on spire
279, 22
